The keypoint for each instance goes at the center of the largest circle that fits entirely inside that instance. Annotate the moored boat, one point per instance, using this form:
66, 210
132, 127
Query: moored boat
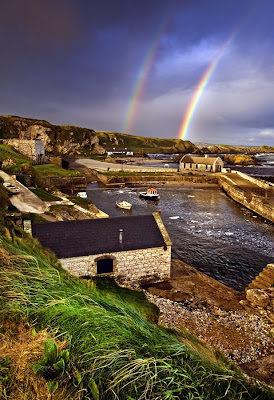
150, 194
124, 204
83, 195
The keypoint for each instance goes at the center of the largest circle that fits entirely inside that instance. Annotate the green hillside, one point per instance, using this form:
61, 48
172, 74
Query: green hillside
120, 141
77, 141
97, 339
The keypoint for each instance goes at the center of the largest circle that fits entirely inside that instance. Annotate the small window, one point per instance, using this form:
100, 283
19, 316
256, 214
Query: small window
196, 165
105, 266
206, 166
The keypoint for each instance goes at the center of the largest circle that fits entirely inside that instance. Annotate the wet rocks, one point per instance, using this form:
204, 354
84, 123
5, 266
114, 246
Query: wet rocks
260, 302
257, 297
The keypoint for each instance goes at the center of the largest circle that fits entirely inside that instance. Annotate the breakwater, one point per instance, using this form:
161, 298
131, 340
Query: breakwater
154, 178
254, 202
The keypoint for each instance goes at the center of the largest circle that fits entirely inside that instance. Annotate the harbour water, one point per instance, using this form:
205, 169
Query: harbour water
209, 231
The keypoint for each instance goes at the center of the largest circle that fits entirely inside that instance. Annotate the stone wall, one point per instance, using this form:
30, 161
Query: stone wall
65, 182
33, 149
256, 204
130, 268
157, 178
258, 182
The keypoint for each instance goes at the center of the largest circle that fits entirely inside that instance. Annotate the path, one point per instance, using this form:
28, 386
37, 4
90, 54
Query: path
251, 188
107, 166
25, 201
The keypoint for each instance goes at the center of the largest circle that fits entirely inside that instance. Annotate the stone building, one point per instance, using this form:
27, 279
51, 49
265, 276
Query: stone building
205, 164
33, 149
135, 250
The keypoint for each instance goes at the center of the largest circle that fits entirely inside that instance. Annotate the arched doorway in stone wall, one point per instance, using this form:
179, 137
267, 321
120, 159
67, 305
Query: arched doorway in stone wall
105, 265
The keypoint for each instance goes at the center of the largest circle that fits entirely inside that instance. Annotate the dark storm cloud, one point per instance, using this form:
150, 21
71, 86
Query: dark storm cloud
78, 62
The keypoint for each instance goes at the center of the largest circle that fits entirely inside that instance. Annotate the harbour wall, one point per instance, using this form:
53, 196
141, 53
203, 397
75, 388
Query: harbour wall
65, 182
257, 204
259, 182
155, 178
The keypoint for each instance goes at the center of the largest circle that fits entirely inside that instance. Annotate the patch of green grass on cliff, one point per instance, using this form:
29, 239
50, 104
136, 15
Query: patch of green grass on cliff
112, 347
8, 152
44, 195
34, 218
53, 170
82, 202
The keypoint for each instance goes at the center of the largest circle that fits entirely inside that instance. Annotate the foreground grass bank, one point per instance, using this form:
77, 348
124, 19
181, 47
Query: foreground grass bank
114, 351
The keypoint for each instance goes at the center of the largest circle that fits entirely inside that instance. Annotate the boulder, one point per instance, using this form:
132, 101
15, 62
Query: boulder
257, 297
8, 162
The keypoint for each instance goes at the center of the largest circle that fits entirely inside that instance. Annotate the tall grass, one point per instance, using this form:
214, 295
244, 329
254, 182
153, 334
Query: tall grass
110, 341
52, 170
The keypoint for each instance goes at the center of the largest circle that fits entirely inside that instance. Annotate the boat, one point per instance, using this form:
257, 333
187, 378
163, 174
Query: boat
83, 195
11, 188
150, 194
124, 204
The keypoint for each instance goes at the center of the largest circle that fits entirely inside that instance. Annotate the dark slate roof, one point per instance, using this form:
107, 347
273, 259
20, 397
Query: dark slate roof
96, 236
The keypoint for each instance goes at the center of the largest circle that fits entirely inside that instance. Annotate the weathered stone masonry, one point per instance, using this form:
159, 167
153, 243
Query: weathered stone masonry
256, 204
129, 267
33, 149
135, 250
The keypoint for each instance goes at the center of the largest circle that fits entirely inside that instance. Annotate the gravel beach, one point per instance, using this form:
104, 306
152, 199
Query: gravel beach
240, 336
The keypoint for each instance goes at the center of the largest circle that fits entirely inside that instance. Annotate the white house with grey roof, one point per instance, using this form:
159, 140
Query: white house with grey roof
201, 163
135, 250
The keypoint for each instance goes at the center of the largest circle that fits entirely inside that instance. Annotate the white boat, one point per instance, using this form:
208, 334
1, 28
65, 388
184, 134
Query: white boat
11, 188
150, 194
83, 195
124, 204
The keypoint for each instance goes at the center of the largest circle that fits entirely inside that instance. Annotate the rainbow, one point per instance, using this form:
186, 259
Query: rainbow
208, 73
201, 87
138, 88
144, 73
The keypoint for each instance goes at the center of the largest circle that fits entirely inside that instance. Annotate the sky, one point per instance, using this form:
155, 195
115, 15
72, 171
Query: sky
199, 70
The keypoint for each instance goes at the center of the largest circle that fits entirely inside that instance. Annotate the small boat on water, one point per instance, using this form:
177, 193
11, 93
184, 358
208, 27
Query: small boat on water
124, 204
83, 195
150, 194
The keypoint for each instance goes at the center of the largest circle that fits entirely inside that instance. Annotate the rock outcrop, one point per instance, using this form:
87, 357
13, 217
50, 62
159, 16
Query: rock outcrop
243, 160
58, 140
258, 297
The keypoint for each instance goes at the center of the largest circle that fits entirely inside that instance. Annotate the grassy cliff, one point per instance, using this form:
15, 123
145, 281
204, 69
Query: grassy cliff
68, 339
77, 141
140, 144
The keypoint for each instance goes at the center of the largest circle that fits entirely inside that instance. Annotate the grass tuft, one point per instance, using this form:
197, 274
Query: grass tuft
115, 353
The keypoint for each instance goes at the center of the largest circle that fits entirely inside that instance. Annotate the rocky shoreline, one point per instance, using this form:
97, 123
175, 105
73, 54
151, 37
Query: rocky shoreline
219, 317
240, 336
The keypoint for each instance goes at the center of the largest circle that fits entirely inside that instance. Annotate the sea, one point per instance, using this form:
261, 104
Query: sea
209, 231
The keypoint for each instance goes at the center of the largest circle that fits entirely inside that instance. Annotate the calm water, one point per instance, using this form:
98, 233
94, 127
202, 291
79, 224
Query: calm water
209, 231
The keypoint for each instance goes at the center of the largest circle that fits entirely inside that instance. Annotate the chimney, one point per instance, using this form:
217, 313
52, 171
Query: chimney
27, 226
121, 236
